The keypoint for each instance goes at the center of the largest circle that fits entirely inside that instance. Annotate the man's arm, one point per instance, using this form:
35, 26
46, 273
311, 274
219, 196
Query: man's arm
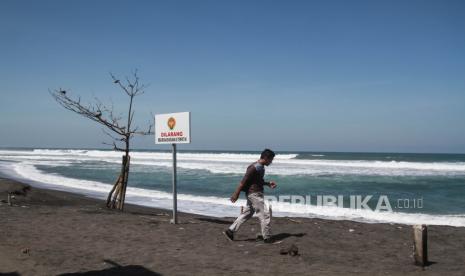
248, 174
270, 184
236, 193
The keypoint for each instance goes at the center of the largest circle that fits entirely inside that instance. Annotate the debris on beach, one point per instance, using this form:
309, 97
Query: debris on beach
15, 191
162, 214
292, 250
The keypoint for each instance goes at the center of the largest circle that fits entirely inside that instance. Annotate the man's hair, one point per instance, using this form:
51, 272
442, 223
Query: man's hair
267, 154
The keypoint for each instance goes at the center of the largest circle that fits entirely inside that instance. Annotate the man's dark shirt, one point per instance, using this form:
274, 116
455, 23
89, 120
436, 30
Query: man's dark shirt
253, 179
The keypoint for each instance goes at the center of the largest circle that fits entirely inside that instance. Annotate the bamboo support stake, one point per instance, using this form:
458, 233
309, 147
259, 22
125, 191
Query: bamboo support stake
116, 195
110, 195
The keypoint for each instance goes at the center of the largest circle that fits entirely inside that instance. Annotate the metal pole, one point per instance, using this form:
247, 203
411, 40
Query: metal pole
175, 193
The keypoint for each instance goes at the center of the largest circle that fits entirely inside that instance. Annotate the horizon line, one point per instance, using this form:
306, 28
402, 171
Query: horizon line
235, 150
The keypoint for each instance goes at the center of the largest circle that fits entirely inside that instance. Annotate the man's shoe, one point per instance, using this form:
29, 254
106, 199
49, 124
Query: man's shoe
229, 234
268, 240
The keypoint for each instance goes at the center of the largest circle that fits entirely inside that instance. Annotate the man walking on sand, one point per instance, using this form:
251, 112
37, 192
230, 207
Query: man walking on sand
252, 184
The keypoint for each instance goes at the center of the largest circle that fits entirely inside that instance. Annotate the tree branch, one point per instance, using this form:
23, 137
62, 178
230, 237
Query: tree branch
104, 115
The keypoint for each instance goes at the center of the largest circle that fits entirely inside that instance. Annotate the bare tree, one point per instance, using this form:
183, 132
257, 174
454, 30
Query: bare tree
118, 130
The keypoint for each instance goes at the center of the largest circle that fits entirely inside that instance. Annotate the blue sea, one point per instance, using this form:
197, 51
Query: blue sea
420, 188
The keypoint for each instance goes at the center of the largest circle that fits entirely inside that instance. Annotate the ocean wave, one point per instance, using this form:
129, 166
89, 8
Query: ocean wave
234, 157
221, 207
235, 163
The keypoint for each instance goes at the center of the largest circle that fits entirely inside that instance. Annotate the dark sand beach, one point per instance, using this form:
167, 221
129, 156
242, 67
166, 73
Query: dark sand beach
51, 233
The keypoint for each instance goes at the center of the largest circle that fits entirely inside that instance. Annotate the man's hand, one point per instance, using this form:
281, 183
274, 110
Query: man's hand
234, 197
273, 184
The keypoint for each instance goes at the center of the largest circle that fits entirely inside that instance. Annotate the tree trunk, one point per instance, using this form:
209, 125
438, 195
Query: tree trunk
124, 184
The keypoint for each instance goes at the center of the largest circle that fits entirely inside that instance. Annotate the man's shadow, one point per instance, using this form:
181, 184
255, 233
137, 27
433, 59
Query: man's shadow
278, 237
116, 270
214, 220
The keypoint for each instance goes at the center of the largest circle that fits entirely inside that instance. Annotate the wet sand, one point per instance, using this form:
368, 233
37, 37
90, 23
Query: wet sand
51, 233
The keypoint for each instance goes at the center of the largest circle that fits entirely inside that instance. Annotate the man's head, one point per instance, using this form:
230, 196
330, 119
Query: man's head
267, 156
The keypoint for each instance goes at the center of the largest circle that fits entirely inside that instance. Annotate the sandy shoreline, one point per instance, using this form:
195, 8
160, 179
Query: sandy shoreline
52, 232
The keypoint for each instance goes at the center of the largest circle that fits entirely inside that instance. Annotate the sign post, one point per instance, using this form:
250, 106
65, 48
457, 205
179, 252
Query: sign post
173, 128
175, 192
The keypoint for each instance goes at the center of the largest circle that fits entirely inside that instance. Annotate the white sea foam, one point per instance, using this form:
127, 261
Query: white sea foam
234, 163
220, 207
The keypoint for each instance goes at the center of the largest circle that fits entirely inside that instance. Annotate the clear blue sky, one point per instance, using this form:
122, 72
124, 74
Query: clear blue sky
290, 75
